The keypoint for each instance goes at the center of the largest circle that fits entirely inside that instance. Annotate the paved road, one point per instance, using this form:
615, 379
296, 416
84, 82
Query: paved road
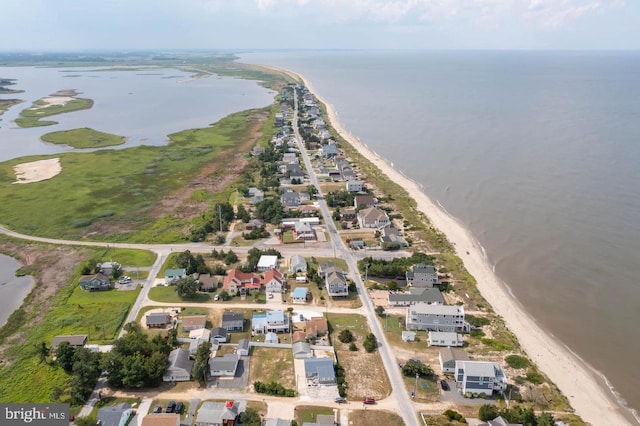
399, 399
402, 401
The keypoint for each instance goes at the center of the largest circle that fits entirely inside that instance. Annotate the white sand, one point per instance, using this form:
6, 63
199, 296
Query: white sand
586, 392
36, 171
53, 100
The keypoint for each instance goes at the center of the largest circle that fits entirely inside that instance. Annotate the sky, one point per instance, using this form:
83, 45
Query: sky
44, 25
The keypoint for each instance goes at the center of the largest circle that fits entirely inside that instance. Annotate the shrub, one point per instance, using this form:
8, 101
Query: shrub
345, 336
517, 361
370, 343
353, 347
534, 377
454, 415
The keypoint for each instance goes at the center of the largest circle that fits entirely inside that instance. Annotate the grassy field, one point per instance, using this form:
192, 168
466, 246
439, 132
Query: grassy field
126, 257
365, 374
309, 413
31, 117
272, 365
118, 189
73, 311
168, 294
84, 138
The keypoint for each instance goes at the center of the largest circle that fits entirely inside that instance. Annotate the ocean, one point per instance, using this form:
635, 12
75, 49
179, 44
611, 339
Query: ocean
537, 153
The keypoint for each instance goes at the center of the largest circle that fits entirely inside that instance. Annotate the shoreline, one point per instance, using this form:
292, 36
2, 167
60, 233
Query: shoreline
587, 390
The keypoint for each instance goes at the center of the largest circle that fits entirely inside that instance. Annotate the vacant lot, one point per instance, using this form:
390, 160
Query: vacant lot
365, 374
272, 365
374, 417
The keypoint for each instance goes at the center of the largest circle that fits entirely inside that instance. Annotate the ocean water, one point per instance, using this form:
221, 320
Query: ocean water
537, 153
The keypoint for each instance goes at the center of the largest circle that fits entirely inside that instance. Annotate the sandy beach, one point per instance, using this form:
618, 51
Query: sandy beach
587, 392
36, 171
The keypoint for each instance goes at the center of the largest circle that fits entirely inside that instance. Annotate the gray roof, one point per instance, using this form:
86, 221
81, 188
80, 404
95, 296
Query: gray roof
301, 347
228, 362
110, 416
243, 344
74, 340
479, 368
499, 421
421, 268
425, 308
451, 354
157, 318
179, 360
428, 295
219, 331
216, 412
232, 316
323, 367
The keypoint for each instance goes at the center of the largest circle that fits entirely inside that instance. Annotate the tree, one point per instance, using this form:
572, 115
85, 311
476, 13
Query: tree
370, 343
413, 367
250, 417
136, 360
487, 412
353, 347
230, 258
64, 356
380, 310
43, 351
224, 295
186, 287
201, 364
85, 421
345, 336
243, 214
86, 370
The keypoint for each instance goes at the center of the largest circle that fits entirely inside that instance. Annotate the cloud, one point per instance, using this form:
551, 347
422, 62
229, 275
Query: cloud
483, 13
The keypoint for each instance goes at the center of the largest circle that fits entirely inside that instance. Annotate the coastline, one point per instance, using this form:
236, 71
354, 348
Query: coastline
586, 390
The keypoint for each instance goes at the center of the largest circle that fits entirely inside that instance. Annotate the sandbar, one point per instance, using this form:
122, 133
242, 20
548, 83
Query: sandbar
36, 171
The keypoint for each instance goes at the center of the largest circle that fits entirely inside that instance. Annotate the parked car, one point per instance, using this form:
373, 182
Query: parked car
124, 280
179, 408
341, 400
158, 409
444, 385
216, 297
369, 400
171, 406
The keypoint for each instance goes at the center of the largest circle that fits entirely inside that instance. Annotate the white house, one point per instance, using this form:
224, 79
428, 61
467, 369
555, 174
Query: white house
172, 275
271, 321
267, 262
180, 366
373, 217
480, 377
272, 281
422, 276
354, 185
300, 295
445, 338
336, 284
298, 264
224, 366
425, 316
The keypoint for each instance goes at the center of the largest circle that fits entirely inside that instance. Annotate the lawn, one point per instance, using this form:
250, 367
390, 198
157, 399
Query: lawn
83, 138
365, 374
126, 257
168, 294
119, 189
30, 117
272, 365
309, 413
392, 326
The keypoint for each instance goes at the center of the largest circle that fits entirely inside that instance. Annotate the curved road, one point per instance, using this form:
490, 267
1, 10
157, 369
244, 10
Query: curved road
398, 401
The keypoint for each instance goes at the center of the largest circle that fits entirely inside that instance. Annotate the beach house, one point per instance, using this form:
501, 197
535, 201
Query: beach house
270, 321
425, 316
480, 377
421, 275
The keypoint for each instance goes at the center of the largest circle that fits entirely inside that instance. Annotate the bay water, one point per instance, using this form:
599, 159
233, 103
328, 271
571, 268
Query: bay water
537, 153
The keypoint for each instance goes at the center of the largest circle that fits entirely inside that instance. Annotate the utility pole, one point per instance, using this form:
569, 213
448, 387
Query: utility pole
220, 215
415, 392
